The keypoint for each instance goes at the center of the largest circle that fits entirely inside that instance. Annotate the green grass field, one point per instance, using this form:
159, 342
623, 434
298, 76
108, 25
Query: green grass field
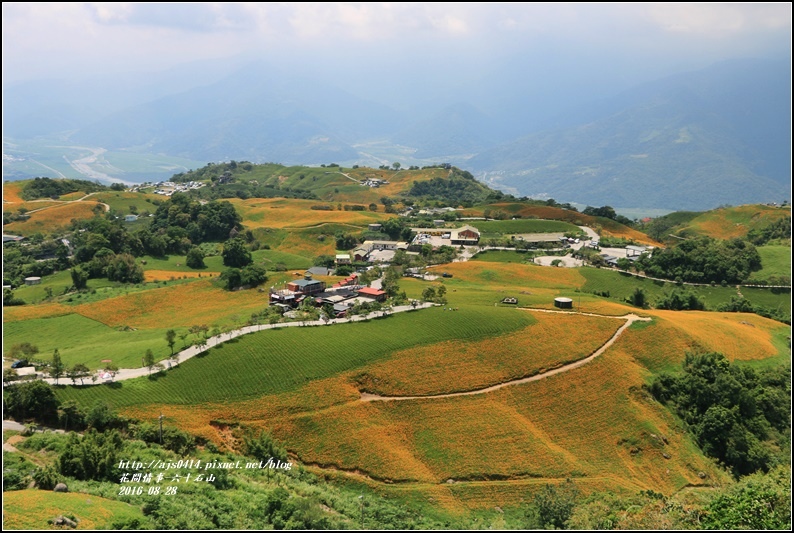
82, 340
621, 286
58, 282
775, 261
121, 201
268, 258
281, 360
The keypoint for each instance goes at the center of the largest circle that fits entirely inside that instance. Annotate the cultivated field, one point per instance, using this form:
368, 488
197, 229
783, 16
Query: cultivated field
551, 341
292, 213
730, 222
53, 218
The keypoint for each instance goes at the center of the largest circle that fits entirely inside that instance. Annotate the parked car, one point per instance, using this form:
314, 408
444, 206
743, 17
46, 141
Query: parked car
446, 275
21, 363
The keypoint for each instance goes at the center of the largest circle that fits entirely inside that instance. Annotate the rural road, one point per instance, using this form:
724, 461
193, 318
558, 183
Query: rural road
630, 319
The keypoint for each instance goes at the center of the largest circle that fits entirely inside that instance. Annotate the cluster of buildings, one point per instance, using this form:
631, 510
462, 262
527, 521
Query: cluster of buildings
374, 183
342, 296
167, 188
439, 236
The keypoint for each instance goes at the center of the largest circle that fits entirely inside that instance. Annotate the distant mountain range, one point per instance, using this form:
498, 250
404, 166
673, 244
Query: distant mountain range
721, 135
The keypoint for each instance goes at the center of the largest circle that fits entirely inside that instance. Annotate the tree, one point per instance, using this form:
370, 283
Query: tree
148, 360
373, 207
235, 254
70, 415
34, 399
123, 268
396, 165
195, 258
111, 369
638, 298
78, 371
553, 506
170, 338
429, 294
79, 278
389, 285
57, 367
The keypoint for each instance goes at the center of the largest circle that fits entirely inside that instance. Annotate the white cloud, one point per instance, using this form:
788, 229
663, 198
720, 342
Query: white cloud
43, 38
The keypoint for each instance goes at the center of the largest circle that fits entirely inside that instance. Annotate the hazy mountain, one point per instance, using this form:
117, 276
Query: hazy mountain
690, 141
720, 135
256, 113
457, 129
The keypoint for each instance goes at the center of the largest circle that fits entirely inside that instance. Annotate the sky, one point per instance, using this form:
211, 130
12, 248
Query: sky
356, 40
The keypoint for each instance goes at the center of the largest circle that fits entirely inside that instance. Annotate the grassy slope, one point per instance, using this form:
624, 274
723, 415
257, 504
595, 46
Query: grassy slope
620, 286
775, 261
301, 384
729, 222
31, 509
281, 360
53, 218
607, 226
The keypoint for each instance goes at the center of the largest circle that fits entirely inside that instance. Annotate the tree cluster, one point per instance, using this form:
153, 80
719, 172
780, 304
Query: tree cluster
52, 188
738, 416
702, 260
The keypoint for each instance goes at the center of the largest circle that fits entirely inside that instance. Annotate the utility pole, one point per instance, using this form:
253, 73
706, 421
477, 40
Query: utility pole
361, 501
161, 428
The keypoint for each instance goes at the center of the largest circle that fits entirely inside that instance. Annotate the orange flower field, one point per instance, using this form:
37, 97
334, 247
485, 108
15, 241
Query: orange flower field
28, 312
551, 342
176, 306
293, 213
52, 218
167, 275
739, 336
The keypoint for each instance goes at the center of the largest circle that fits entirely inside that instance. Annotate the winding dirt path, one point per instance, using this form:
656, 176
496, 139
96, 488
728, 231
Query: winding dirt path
630, 319
63, 202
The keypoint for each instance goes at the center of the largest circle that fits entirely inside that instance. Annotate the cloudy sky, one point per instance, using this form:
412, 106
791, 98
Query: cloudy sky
46, 40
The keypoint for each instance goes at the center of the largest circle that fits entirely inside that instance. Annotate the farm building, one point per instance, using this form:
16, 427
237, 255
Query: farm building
465, 235
342, 259
306, 286
563, 303
11, 238
374, 227
611, 260
369, 292
365, 251
32, 280
130, 218
296, 290
632, 251
462, 235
